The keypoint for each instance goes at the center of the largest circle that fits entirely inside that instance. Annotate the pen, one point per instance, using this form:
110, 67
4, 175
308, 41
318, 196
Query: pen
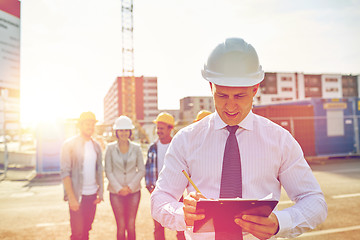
192, 183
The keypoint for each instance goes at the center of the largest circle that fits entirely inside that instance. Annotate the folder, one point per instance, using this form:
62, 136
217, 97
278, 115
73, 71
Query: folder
220, 214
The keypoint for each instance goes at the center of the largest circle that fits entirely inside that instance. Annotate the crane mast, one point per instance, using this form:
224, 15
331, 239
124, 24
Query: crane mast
128, 78
128, 100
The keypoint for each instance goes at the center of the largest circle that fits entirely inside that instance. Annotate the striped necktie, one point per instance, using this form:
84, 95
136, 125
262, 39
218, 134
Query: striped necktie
231, 182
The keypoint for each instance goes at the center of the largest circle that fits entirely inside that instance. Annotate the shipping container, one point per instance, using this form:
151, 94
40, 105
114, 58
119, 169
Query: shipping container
334, 126
323, 127
357, 124
49, 139
296, 118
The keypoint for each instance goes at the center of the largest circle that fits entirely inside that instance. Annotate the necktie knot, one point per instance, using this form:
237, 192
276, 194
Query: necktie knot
232, 129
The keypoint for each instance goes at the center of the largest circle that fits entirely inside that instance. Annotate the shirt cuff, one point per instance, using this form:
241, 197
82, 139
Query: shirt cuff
285, 223
180, 219
175, 220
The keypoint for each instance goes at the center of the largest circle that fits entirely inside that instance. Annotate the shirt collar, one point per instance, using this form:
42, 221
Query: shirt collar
247, 123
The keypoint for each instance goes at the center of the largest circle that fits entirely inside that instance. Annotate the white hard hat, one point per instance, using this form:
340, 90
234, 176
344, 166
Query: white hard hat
233, 63
123, 122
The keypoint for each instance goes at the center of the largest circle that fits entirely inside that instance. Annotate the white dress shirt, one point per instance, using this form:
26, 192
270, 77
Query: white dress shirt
270, 158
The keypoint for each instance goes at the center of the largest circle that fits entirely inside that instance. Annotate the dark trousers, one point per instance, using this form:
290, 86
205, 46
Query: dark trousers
159, 233
125, 210
81, 220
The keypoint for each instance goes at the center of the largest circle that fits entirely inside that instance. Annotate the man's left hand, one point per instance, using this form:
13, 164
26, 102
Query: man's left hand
97, 200
260, 227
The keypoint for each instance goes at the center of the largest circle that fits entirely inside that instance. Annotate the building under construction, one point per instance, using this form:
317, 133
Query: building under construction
145, 95
135, 97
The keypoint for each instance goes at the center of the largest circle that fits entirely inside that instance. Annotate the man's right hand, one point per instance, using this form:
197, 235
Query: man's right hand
150, 188
74, 204
124, 191
189, 208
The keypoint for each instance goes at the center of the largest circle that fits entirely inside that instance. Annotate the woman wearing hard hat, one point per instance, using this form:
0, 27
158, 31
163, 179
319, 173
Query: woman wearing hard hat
124, 168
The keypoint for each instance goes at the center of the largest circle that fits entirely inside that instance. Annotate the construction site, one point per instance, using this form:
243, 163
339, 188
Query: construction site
320, 110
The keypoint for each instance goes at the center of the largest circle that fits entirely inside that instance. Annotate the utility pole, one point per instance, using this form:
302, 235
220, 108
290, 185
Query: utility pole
4, 94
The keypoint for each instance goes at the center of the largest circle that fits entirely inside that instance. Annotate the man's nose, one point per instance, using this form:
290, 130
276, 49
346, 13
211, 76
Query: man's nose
231, 105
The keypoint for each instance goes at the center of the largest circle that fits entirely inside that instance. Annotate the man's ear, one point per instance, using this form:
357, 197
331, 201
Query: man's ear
256, 88
210, 86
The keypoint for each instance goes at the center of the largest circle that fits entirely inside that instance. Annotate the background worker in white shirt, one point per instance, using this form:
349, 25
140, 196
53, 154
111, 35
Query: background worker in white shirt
155, 160
82, 176
270, 157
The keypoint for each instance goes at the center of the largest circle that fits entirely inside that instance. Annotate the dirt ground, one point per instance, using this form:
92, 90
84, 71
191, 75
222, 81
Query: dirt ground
35, 210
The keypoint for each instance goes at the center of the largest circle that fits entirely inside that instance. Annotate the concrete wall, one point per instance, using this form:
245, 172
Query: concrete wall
20, 159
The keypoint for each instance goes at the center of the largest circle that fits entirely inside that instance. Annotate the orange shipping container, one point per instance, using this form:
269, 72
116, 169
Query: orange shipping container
297, 119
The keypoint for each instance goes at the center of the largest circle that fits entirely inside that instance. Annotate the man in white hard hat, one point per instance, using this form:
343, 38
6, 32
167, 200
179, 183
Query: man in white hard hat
82, 176
155, 160
236, 153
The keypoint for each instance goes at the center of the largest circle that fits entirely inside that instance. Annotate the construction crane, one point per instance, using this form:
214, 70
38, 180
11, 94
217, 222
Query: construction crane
128, 78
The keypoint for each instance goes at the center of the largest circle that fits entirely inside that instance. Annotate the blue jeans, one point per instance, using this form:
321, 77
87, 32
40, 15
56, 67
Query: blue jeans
125, 210
81, 220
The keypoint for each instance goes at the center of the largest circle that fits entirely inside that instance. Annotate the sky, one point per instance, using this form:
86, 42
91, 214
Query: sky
71, 49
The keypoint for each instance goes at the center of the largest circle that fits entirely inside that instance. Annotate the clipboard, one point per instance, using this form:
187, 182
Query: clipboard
220, 214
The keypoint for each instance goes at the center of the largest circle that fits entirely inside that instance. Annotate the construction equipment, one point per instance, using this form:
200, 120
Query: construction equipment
127, 84
128, 79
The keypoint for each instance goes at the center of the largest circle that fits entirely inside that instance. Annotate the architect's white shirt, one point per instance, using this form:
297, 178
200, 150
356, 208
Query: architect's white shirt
270, 158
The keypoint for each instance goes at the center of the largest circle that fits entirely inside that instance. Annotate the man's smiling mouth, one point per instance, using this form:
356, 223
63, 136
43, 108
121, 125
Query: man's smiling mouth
232, 115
